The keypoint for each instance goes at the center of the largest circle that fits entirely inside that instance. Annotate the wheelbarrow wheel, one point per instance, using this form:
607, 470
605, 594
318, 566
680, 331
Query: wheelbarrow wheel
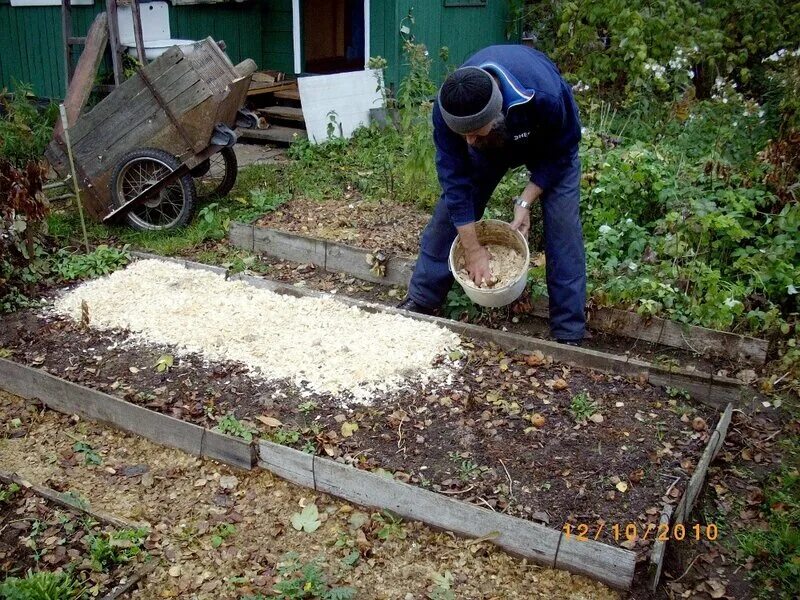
215, 176
168, 207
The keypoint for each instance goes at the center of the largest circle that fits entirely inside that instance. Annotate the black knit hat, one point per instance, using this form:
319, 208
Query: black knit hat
469, 99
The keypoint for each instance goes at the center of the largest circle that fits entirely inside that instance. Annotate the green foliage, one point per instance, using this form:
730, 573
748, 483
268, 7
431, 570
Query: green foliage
230, 425
625, 47
776, 549
285, 437
222, 532
103, 260
7, 492
300, 581
391, 526
42, 585
90, 457
116, 548
467, 469
25, 130
582, 406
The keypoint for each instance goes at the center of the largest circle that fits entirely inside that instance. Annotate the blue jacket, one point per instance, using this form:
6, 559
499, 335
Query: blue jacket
541, 117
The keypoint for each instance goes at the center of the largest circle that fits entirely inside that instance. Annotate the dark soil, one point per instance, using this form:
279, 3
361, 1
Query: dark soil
501, 436
36, 535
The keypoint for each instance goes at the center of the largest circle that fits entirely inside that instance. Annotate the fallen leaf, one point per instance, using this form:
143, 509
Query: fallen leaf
699, 424
716, 588
535, 358
175, 571
308, 520
636, 476
596, 418
200, 482
228, 482
537, 420
348, 429
559, 384
269, 421
622, 487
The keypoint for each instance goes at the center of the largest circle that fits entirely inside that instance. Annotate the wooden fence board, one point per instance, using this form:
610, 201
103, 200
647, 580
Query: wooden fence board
292, 465
71, 398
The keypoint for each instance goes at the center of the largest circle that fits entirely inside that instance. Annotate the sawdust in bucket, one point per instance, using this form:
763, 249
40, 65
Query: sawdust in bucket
508, 256
505, 263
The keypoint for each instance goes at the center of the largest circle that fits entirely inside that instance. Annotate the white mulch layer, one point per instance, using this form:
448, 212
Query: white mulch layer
321, 345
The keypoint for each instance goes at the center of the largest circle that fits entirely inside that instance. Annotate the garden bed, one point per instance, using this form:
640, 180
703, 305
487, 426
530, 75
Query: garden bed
512, 432
321, 245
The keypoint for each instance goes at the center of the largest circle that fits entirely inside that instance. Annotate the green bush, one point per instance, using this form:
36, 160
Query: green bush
25, 130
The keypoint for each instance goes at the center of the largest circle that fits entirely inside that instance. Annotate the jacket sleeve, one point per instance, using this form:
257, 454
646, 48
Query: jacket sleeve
453, 168
551, 112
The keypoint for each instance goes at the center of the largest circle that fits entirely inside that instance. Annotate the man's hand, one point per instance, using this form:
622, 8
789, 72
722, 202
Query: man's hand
477, 261
522, 220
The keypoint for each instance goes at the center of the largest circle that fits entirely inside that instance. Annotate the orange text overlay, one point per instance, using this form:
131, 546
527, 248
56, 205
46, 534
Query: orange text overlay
634, 531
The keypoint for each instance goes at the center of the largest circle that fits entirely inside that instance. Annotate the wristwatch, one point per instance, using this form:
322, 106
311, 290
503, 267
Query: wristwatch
521, 203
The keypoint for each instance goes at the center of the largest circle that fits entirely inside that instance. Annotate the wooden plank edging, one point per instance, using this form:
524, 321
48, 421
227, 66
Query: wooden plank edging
338, 257
67, 500
549, 547
690, 495
71, 398
715, 442
659, 548
704, 387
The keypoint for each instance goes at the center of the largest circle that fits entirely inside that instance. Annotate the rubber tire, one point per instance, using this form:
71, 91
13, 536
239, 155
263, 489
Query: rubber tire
229, 179
186, 182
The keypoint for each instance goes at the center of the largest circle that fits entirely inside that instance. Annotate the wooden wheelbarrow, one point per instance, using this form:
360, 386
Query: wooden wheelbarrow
137, 151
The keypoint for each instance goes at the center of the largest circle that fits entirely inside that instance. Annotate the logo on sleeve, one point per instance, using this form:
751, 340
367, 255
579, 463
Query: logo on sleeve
522, 136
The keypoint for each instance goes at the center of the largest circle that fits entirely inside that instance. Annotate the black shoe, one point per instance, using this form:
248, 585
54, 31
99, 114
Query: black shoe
571, 342
412, 306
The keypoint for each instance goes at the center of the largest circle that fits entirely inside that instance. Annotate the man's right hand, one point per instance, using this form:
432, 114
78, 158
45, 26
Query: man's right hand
477, 260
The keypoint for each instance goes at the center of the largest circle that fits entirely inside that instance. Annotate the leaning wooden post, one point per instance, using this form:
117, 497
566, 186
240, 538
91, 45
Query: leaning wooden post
66, 126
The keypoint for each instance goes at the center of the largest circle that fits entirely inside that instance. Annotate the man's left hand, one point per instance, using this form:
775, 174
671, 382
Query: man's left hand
522, 220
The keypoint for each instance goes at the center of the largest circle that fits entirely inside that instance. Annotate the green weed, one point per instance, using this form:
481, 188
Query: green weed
230, 425
42, 585
582, 406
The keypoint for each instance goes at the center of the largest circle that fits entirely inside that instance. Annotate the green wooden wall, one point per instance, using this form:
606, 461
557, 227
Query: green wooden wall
31, 44
31, 48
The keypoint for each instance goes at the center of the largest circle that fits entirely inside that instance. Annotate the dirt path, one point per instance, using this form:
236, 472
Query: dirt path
191, 504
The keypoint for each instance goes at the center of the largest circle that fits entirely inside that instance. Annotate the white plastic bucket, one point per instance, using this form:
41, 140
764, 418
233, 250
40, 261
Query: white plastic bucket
492, 231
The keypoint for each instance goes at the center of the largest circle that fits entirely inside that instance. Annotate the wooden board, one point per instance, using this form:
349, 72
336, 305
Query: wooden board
82, 82
699, 340
659, 548
70, 398
292, 465
695, 485
289, 94
291, 247
274, 133
287, 113
258, 88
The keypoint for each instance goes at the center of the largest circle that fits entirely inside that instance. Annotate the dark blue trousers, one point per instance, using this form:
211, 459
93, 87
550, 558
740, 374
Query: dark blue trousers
566, 263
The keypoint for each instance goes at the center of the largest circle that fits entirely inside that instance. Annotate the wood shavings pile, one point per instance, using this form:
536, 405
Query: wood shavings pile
321, 345
505, 263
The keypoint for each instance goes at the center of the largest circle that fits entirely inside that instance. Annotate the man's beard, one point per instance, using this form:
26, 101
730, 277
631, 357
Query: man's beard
496, 139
